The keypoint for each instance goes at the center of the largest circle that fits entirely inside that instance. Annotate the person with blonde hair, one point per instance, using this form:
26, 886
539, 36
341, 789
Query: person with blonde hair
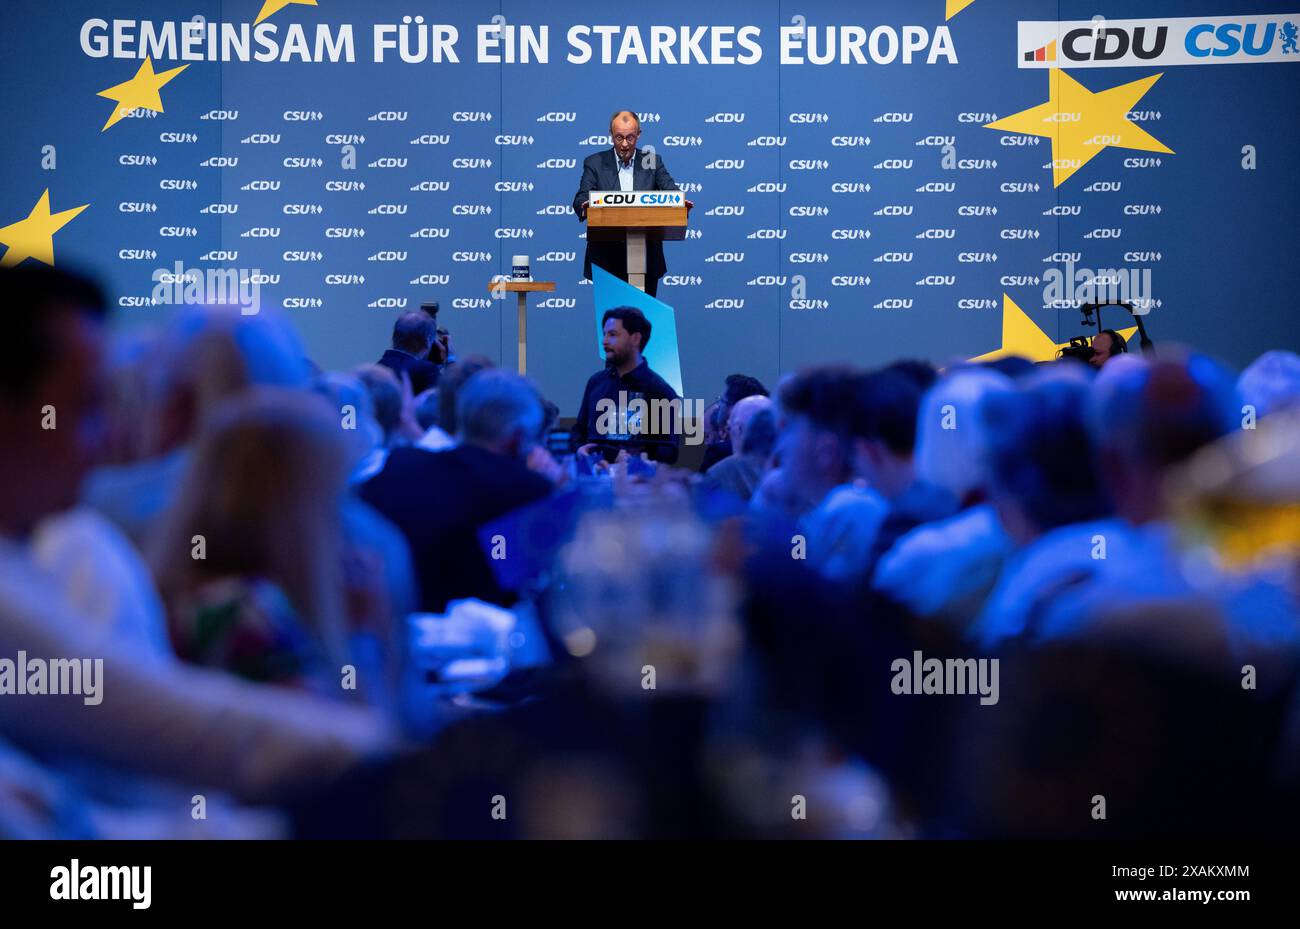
252, 560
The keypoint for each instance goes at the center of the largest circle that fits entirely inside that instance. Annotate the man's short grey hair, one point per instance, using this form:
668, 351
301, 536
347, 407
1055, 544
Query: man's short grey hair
494, 404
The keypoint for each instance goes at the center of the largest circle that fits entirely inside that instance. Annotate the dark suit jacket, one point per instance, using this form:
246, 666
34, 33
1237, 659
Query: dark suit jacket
438, 500
599, 173
423, 373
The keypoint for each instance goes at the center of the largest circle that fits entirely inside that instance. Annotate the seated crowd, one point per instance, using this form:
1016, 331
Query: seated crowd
243, 540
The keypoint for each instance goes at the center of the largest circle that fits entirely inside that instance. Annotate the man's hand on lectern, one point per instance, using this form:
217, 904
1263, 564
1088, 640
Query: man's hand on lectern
690, 204
582, 210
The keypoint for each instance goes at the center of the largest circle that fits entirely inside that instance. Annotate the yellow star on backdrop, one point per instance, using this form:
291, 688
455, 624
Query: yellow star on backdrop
1021, 336
1081, 123
271, 7
140, 91
956, 6
33, 237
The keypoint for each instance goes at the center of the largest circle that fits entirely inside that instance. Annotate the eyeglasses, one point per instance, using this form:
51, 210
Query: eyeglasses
626, 138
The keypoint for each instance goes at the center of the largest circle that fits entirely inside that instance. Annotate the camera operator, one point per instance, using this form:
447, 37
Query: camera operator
1106, 345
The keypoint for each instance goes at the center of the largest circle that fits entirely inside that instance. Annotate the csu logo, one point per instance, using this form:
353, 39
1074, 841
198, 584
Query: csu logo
1228, 39
478, 116
680, 141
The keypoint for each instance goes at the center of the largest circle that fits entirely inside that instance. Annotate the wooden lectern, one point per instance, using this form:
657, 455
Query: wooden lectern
635, 216
523, 289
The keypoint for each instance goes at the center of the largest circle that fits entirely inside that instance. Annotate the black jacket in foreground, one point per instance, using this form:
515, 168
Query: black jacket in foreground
656, 433
438, 500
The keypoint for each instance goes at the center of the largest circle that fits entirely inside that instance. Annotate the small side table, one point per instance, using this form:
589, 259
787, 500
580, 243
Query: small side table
523, 289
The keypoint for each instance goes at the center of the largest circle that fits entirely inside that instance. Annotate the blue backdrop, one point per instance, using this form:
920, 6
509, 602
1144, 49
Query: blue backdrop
845, 211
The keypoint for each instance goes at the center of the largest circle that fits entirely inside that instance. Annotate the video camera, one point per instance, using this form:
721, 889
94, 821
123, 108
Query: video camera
1080, 347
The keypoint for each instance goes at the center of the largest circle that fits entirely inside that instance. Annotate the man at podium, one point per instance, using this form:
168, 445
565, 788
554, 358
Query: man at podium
623, 167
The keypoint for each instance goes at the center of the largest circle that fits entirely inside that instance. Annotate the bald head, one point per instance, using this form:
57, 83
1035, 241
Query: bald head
738, 420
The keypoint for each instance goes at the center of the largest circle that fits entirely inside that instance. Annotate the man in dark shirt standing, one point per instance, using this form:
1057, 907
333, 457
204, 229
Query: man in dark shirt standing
627, 407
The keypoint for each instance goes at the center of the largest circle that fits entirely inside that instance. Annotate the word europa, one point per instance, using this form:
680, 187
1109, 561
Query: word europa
82, 677
416, 41
639, 416
87, 882
946, 676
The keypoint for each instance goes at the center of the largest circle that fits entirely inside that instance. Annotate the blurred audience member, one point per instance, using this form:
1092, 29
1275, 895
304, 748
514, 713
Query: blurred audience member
204, 357
884, 441
719, 443
1271, 382
156, 718
818, 410
274, 593
752, 428
946, 568
441, 435
1049, 498
440, 499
